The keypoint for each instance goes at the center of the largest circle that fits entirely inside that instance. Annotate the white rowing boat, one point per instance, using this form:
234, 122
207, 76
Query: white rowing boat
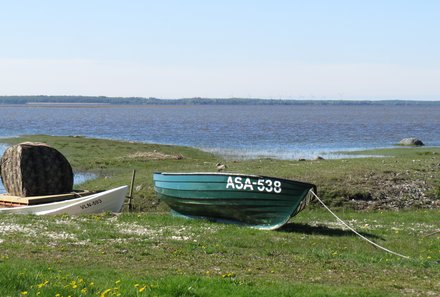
110, 200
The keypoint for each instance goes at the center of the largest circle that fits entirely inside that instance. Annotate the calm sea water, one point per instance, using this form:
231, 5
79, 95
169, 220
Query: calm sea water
286, 132
78, 177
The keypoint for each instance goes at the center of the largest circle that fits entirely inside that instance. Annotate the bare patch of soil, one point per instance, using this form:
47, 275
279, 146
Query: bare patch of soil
154, 155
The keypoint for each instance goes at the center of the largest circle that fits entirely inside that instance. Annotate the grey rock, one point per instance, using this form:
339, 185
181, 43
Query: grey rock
411, 141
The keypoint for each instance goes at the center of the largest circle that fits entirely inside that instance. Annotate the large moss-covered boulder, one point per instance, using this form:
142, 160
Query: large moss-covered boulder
35, 169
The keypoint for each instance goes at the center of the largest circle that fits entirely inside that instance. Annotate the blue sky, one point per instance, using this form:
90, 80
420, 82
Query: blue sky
312, 49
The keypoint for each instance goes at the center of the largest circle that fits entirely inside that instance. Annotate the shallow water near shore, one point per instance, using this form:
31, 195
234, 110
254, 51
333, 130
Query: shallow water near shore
236, 131
78, 179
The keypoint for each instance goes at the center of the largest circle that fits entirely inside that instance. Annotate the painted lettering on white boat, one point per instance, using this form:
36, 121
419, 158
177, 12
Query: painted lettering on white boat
262, 185
90, 204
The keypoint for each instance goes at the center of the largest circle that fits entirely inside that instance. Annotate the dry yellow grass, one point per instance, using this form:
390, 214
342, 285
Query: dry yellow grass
154, 155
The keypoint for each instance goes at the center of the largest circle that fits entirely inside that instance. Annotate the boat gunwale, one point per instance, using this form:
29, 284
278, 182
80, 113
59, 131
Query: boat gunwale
67, 202
103, 194
313, 186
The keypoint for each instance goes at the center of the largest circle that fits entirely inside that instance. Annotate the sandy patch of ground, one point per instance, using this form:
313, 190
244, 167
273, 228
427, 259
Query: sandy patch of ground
154, 155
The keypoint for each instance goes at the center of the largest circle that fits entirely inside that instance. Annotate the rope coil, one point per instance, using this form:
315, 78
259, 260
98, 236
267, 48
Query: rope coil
354, 231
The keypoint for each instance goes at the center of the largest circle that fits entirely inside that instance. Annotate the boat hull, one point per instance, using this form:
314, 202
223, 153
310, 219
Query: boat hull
110, 200
258, 201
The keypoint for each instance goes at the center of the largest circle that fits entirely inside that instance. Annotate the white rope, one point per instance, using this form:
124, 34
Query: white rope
354, 231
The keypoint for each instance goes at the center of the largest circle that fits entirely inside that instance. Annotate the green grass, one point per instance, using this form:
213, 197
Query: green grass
150, 253
59, 283
311, 256
360, 183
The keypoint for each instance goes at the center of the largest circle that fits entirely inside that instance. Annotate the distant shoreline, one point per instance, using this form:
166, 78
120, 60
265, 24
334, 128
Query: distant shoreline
102, 100
66, 103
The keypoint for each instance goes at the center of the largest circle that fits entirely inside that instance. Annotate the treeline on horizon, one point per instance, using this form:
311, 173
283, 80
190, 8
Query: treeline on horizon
42, 99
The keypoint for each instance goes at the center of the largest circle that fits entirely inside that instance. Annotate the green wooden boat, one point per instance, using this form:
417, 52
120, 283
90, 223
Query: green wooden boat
258, 201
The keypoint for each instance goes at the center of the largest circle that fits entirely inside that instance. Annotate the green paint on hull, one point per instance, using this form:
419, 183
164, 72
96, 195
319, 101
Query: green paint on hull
258, 201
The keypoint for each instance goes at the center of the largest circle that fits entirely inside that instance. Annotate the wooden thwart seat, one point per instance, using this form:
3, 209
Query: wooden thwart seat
9, 200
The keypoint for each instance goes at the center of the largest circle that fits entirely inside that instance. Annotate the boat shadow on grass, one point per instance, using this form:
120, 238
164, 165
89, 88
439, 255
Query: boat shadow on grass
321, 230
